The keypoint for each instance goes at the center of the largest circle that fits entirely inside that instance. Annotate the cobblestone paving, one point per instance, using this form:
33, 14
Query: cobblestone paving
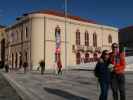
73, 85
6, 91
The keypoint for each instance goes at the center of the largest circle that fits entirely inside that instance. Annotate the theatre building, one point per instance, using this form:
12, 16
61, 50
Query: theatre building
41, 35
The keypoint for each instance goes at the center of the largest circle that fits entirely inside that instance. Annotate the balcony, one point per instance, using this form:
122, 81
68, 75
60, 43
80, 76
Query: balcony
98, 49
89, 48
77, 48
82, 48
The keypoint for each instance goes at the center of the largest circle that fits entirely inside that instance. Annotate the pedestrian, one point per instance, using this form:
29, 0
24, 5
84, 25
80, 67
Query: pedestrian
59, 64
10, 67
117, 58
42, 66
25, 65
102, 72
7, 68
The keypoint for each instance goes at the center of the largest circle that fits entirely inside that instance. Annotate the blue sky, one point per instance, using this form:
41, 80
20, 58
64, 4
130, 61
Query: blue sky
118, 13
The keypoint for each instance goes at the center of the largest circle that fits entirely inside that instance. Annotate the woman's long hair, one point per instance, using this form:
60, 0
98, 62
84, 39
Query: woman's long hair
103, 53
103, 56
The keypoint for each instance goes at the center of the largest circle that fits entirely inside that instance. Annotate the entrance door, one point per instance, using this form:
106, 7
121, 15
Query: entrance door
78, 58
86, 57
16, 61
20, 60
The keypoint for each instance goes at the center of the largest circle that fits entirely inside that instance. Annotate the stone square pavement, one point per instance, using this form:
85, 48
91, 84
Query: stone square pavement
72, 85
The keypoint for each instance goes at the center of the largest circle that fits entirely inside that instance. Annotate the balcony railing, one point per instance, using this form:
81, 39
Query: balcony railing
98, 49
85, 48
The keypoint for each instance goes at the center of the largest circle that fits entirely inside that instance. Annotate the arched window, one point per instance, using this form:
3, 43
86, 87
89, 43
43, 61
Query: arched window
109, 39
26, 56
26, 32
86, 38
20, 59
95, 40
17, 34
12, 60
16, 60
77, 37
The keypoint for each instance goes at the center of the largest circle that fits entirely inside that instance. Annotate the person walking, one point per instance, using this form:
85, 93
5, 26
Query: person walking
6, 68
117, 58
59, 64
25, 65
42, 66
102, 72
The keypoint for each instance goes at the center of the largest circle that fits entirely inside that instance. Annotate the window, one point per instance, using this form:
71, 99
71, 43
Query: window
12, 60
17, 35
26, 56
95, 40
109, 39
73, 47
21, 33
12, 37
86, 38
20, 59
16, 60
26, 32
77, 37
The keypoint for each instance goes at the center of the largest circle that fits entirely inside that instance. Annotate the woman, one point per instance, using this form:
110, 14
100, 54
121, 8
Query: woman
102, 72
59, 64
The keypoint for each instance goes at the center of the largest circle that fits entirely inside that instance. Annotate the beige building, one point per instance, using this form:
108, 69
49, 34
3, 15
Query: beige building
33, 38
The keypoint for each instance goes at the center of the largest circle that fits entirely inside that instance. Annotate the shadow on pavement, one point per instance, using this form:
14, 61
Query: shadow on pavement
45, 73
64, 94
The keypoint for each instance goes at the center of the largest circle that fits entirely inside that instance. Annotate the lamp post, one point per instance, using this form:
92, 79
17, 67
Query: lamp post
66, 34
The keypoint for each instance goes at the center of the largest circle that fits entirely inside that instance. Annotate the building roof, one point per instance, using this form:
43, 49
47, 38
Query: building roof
1, 26
61, 14
128, 28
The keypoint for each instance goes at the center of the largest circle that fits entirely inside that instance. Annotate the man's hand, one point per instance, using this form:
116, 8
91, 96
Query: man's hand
111, 67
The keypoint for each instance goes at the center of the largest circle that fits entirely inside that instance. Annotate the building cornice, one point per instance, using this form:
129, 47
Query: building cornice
62, 19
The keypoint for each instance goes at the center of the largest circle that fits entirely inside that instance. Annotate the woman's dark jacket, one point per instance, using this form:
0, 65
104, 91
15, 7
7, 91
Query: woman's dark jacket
102, 71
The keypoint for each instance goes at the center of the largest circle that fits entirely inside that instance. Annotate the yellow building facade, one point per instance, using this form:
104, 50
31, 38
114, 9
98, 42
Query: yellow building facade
33, 38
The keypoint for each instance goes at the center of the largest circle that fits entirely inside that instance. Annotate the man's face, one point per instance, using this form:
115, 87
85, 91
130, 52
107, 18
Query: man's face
115, 48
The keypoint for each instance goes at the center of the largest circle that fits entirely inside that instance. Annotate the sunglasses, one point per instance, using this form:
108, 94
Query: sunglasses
106, 54
115, 47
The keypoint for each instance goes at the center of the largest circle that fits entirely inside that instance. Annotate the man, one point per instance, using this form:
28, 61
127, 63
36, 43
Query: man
117, 58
